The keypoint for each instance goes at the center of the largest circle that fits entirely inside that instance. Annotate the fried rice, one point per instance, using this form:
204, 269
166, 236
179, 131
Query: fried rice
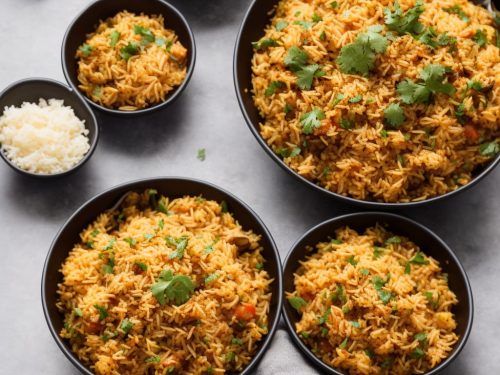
373, 303
353, 150
131, 62
165, 286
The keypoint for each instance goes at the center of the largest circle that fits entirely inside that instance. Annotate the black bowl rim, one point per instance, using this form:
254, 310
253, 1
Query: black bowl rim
381, 216
131, 184
175, 93
353, 201
93, 142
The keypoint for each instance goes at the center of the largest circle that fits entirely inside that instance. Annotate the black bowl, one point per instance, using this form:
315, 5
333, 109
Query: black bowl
430, 244
172, 187
86, 22
256, 19
31, 90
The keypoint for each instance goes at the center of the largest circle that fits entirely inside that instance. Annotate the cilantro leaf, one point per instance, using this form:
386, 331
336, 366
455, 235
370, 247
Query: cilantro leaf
280, 25
264, 43
457, 9
296, 58
428, 36
419, 258
393, 240
480, 38
273, 86
306, 74
174, 289
114, 37
343, 344
411, 92
86, 50
297, 303
403, 23
356, 99
489, 149
434, 77
147, 35
201, 155
359, 57
129, 50
394, 115
306, 25
181, 244
311, 120
211, 278
103, 313
289, 153
126, 325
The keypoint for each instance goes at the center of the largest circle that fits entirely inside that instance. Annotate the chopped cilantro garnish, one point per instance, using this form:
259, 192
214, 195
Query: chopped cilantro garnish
273, 86
141, 265
145, 33
129, 50
211, 278
480, 38
403, 23
264, 44
324, 318
343, 344
351, 260
236, 341
154, 359
78, 312
181, 244
417, 353
338, 99
170, 288
280, 25
201, 154
383, 133
86, 50
110, 244
305, 24
103, 313
297, 303
131, 241
355, 324
422, 337
346, 123
259, 266
393, 240
364, 272
311, 120
334, 4
126, 325
457, 9
394, 115
378, 252
114, 37
489, 149
356, 99
359, 57
339, 295
289, 153
419, 258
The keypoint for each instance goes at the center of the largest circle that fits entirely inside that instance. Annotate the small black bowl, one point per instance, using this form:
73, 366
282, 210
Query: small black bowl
172, 187
31, 90
258, 16
86, 23
430, 244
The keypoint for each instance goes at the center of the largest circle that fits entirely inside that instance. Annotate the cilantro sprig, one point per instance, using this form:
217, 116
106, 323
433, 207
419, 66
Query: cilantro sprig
311, 120
359, 57
172, 289
297, 61
433, 81
404, 22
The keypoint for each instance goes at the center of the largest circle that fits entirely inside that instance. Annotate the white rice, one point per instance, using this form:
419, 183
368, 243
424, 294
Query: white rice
44, 138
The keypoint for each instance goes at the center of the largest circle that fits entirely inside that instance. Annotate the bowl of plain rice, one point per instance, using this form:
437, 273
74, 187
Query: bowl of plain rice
45, 128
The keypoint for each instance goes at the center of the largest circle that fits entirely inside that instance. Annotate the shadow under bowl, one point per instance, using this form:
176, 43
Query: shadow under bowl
172, 187
31, 90
430, 245
88, 20
258, 16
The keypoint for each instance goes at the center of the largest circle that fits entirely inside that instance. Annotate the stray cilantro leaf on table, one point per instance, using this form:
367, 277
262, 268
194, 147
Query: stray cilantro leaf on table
201, 154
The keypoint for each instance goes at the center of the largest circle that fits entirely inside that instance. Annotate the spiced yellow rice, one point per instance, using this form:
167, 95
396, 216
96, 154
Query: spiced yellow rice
380, 101
131, 62
374, 303
165, 286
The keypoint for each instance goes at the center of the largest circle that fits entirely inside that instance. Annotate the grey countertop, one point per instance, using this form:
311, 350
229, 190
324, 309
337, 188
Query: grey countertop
166, 143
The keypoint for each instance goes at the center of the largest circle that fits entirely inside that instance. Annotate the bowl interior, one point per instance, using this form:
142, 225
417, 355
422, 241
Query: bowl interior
429, 243
257, 18
31, 90
87, 22
173, 187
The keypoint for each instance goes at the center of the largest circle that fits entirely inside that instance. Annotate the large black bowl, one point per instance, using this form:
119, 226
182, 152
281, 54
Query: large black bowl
86, 22
256, 19
172, 187
31, 90
430, 244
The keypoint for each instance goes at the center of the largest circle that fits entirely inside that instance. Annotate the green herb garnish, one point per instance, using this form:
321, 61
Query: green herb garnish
86, 50
114, 37
201, 155
394, 115
297, 303
407, 22
311, 120
174, 289
129, 50
103, 313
